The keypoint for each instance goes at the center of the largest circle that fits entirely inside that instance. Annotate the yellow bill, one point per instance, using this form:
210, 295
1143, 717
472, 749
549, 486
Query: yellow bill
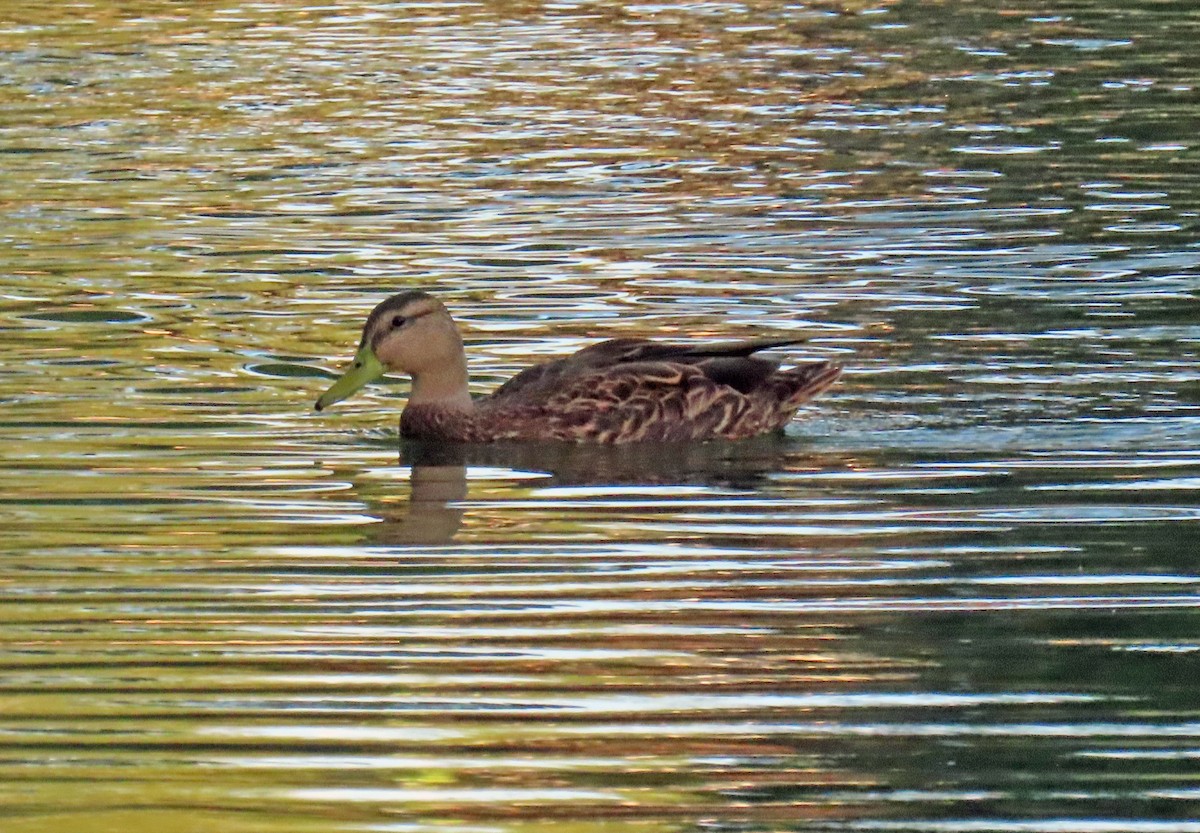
364, 370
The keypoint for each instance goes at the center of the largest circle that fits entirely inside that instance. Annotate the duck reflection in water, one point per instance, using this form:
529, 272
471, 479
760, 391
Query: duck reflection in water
438, 479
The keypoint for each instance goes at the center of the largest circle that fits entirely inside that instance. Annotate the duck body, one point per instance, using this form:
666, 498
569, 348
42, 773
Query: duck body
618, 391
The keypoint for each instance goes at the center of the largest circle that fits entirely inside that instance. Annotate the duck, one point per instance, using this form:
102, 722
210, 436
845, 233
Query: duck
623, 390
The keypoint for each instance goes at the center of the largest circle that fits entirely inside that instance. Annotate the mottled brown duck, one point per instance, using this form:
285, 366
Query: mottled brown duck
618, 391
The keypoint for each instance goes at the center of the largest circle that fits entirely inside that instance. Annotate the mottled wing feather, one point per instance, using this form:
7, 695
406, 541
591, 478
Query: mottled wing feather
660, 401
539, 379
730, 362
601, 395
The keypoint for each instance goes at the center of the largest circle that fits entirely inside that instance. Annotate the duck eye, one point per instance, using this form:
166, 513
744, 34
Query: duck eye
398, 321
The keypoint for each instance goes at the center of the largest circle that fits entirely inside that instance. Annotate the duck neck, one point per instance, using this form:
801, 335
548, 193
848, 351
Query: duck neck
444, 387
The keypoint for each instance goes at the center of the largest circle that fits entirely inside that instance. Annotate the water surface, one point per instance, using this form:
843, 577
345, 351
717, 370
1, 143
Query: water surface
959, 594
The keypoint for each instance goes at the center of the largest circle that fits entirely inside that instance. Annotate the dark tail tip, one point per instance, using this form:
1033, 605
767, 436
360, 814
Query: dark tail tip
813, 379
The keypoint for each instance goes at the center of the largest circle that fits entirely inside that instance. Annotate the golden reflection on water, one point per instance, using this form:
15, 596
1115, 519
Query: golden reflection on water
960, 591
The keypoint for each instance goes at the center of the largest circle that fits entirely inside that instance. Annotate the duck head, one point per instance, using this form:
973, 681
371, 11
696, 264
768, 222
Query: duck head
411, 333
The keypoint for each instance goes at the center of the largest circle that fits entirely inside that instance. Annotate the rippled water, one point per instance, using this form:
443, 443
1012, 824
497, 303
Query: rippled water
959, 594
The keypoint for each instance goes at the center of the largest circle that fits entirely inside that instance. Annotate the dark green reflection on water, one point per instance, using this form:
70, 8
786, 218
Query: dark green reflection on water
960, 592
